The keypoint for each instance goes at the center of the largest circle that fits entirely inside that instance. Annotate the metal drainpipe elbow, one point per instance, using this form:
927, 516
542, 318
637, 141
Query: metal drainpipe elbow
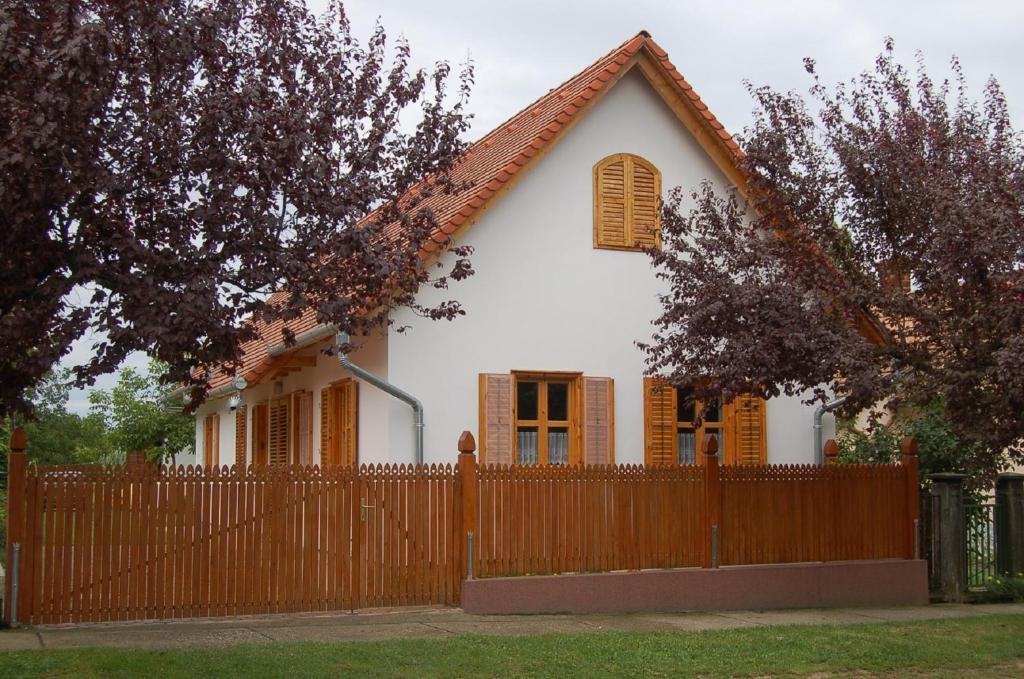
388, 388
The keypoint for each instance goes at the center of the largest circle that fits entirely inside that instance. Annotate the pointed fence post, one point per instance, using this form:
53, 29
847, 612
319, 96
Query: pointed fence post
467, 472
911, 467
16, 466
831, 452
712, 501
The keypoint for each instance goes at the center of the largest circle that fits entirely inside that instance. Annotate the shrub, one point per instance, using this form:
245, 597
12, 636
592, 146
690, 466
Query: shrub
1005, 588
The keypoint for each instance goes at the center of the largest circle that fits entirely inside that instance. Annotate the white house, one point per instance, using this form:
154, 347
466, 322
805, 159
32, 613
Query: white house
544, 367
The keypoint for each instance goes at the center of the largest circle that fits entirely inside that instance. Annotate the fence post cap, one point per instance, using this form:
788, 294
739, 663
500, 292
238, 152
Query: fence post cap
831, 450
467, 444
711, 445
19, 442
909, 446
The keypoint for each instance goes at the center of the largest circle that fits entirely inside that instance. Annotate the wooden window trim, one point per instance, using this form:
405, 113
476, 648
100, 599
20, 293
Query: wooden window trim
575, 411
701, 431
628, 159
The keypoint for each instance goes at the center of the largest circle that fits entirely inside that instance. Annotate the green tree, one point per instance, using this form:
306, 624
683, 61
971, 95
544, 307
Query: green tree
137, 418
56, 435
940, 449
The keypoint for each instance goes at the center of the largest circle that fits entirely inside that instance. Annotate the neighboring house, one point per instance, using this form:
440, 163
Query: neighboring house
544, 367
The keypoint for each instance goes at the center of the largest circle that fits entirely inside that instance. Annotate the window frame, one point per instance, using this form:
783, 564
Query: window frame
700, 432
574, 411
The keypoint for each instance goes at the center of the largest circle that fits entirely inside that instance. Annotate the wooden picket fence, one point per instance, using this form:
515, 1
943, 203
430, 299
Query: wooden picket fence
541, 520
148, 542
583, 519
145, 542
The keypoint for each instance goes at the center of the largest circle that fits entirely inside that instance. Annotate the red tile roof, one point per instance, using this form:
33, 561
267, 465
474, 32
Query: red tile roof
492, 162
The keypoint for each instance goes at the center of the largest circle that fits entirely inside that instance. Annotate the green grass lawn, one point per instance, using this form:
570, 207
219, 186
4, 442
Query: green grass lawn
990, 646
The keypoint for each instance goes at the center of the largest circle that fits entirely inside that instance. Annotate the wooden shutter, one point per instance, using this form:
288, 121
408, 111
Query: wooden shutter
240, 436
327, 452
598, 420
746, 431
208, 441
659, 423
278, 443
301, 443
495, 419
627, 192
260, 434
610, 211
339, 423
348, 431
644, 196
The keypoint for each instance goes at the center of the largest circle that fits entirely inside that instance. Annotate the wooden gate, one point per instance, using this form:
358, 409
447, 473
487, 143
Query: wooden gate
147, 542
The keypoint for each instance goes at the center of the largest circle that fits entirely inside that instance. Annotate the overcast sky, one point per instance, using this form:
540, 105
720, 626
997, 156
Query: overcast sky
523, 48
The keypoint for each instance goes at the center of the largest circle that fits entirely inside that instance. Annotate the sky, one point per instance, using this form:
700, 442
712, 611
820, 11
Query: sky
522, 48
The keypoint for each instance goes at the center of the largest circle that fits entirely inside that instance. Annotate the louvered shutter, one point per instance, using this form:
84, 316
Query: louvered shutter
495, 419
610, 210
348, 433
659, 423
326, 448
278, 446
598, 414
644, 192
301, 449
240, 436
747, 441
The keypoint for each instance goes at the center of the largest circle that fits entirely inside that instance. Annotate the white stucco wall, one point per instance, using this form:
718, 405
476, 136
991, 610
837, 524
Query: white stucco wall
542, 298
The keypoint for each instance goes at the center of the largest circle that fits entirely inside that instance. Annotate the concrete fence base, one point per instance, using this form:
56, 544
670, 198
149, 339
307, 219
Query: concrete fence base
803, 585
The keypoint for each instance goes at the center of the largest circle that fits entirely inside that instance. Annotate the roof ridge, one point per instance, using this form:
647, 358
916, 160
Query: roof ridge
533, 104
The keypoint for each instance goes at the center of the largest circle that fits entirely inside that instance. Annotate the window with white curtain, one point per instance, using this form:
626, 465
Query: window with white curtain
543, 413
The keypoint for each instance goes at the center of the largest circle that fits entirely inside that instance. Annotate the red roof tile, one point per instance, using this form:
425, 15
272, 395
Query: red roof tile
496, 158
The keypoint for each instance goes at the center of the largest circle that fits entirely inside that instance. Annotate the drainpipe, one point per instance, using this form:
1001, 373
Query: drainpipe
819, 413
387, 387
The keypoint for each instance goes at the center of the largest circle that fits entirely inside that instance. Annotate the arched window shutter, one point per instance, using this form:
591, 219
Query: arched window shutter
646, 190
611, 211
627, 190
495, 419
659, 423
598, 420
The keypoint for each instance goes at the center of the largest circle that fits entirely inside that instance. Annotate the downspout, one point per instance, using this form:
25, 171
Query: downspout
819, 413
387, 387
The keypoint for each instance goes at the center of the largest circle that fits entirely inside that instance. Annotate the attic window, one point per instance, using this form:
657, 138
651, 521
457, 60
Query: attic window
627, 196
